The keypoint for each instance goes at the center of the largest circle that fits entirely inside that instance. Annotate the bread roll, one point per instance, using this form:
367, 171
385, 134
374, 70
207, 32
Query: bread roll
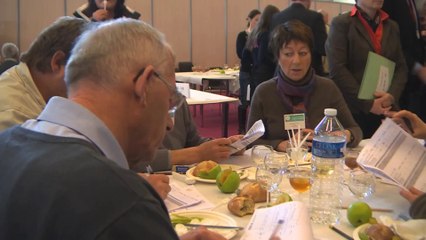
204, 166
241, 206
379, 232
254, 191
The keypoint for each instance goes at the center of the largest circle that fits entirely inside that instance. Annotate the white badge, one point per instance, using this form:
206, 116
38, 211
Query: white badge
294, 121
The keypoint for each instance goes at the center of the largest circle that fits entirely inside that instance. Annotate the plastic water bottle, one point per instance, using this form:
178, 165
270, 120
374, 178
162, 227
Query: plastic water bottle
328, 148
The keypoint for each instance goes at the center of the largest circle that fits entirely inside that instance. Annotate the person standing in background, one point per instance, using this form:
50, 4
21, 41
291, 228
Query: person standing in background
405, 13
101, 10
299, 9
10, 55
366, 28
245, 69
258, 45
327, 30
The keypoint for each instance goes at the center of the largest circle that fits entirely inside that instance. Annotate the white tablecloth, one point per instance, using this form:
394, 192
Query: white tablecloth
386, 196
197, 78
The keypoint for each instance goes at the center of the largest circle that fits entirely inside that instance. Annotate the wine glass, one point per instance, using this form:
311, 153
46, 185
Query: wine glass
300, 180
270, 174
362, 184
297, 154
258, 153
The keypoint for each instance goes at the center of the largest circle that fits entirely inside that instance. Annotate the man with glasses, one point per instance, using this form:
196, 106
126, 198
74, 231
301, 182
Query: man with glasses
66, 174
182, 144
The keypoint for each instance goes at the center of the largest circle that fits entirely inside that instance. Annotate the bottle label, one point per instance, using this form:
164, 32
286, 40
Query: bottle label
328, 149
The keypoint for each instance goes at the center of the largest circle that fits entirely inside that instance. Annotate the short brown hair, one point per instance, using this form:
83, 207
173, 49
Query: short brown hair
289, 31
60, 36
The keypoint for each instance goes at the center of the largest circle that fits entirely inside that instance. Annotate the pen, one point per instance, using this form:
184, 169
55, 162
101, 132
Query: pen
149, 170
277, 228
375, 209
340, 232
163, 172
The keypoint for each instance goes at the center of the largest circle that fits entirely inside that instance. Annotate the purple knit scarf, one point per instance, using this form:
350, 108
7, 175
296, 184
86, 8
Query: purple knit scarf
290, 90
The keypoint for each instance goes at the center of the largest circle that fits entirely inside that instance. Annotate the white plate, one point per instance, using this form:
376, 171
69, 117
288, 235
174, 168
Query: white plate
244, 173
359, 229
213, 218
307, 160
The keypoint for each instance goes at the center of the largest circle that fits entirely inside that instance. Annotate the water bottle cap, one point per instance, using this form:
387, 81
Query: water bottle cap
330, 112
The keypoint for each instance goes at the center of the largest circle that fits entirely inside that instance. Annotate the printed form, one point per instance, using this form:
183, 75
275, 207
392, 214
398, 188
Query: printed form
395, 155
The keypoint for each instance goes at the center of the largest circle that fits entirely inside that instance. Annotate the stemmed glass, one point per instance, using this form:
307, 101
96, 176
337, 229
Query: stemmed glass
300, 180
258, 153
269, 175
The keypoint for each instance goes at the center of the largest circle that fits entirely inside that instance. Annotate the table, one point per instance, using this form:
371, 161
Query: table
200, 98
386, 196
230, 78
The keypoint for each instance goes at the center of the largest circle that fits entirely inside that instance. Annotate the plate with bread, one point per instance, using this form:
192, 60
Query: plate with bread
206, 171
181, 220
388, 228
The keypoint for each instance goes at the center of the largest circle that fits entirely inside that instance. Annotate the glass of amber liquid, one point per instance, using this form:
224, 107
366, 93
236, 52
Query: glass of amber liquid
351, 156
300, 180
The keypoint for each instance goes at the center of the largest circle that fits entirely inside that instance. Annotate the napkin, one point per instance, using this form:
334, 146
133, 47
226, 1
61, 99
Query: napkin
413, 229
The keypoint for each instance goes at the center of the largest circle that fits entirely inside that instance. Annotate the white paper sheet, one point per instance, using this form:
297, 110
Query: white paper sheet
255, 132
296, 223
185, 197
395, 155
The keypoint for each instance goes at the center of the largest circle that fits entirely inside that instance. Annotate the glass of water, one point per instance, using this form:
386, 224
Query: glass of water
258, 153
362, 184
269, 175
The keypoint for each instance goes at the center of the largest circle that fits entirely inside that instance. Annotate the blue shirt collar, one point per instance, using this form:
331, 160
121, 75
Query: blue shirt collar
69, 114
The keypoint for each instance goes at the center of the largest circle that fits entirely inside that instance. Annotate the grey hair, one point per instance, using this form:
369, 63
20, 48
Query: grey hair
60, 36
115, 48
10, 50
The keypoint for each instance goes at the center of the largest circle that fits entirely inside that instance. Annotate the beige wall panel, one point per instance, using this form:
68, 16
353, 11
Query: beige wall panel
333, 9
143, 7
237, 14
72, 5
208, 32
172, 17
346, 7
281, 4
35, 17
8, 22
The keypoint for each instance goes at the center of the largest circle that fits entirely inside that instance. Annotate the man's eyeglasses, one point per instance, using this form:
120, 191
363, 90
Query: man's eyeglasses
177, 98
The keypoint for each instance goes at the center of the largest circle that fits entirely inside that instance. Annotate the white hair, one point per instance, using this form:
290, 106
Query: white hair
114, 48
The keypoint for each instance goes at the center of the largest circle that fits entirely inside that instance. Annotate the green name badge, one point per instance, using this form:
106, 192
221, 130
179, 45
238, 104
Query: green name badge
294, 121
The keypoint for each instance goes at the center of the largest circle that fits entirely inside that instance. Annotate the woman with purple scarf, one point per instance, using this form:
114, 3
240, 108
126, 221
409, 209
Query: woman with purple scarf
297, 89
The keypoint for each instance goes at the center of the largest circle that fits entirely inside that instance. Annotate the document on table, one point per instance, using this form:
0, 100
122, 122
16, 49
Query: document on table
294, 219
185, 197
377, 76
395, 155
255, 132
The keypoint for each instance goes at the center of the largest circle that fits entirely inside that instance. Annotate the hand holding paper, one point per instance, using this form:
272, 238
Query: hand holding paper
255, 132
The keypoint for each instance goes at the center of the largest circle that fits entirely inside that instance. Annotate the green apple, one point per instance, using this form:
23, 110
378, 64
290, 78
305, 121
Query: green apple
359, 213
210, 174
282, 198
228, 181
